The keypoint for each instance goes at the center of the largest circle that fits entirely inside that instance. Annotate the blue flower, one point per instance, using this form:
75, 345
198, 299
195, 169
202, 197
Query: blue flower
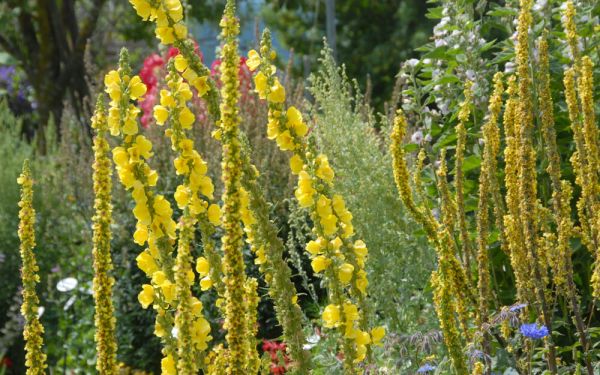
517, 307
425, 368
533, 331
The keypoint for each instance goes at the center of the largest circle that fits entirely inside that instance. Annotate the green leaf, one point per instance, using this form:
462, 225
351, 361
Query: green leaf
471, 162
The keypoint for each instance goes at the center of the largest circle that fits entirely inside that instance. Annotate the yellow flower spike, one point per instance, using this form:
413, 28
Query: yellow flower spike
33, 331
289, 131
152, 212
106, 345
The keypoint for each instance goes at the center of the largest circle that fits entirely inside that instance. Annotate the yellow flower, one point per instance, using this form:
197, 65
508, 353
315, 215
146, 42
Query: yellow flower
137, 88
180, 63
142, 8
160, 114
253, 61
377, 334
214, 214
260, 82
186, 118
345, 272
277, 94
167, 366
324, 171
320, 263
329, 224
296, 164
331, 316
146, 296
361, 352
285, 141
202, 266
146, 263
182, 196
314, 247
205, 283
360, 249
141, 234
362, 338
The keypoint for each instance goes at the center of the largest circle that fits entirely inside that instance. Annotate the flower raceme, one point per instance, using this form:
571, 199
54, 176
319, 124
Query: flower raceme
333, 254
35, 359
155, 226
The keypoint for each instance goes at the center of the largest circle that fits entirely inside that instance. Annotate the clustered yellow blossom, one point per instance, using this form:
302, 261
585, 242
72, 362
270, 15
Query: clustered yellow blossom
170, 29
106, 344
35, 359
233, 263
333, 253
193, 330
155, 226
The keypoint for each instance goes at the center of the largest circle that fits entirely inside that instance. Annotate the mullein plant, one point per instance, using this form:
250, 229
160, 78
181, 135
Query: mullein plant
333, 253
155, 226
449, 281
106, 344
193, 197
241, 349
269, 247
35, 359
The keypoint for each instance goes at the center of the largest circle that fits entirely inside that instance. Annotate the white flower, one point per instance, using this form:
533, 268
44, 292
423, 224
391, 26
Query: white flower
40, 311
311, 341
174, 332
470, 75
417, 137
412, 62
428, 136
510, 67
440, 43
69, 303
67, 284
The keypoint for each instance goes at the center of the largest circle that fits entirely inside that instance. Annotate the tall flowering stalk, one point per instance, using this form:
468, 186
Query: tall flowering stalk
333, 253
106, 343
561, 264
461, 136
491, 137
35, 359
233, 262
170, 29
449, 281
269, 249
155, 226
192, 196
527, 172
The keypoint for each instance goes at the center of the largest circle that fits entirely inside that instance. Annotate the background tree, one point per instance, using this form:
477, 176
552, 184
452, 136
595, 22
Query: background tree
49, 39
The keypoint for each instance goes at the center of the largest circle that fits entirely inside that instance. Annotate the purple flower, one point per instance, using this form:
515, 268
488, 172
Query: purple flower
517, 307
425, 368
533, 331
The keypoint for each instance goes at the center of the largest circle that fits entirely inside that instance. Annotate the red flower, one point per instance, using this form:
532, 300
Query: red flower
6, 362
